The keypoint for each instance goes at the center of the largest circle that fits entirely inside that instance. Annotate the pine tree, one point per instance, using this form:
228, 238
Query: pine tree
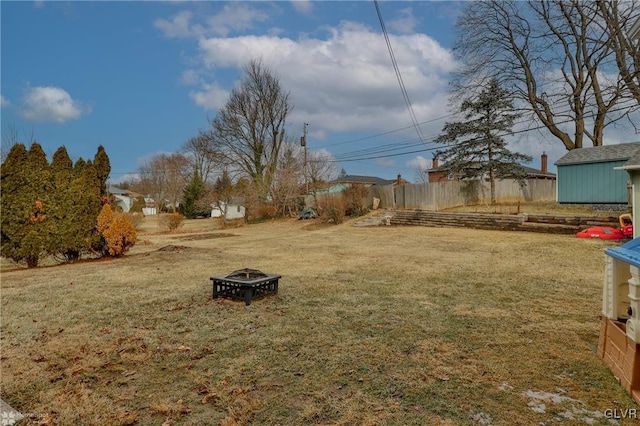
103, 168
193, 193
223, 187
48, 208
88, 204
78, 167
16, 206
67, 243
476, 147
26, 192
39, 187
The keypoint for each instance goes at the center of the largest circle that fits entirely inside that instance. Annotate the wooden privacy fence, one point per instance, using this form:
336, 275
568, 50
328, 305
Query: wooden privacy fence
439, 195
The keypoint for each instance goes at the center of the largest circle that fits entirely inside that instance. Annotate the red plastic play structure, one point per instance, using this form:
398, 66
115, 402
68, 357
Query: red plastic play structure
626, 225
602, 232
608, 232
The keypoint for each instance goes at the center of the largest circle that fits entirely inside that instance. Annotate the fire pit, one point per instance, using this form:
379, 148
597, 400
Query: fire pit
245, 284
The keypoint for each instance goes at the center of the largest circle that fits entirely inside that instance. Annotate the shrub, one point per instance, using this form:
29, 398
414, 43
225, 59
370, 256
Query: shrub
105, 218
171, 221
265, 211
135, 219
356, 200
120, 236
31, 249
331, 208
138, 205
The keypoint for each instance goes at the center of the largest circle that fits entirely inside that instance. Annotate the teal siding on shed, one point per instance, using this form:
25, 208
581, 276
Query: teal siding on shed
592, 183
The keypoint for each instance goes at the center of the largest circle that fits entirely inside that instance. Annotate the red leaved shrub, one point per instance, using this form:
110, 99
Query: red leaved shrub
118, 233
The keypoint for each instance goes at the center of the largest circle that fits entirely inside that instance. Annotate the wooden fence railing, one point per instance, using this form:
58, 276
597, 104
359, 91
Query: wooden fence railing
439, 195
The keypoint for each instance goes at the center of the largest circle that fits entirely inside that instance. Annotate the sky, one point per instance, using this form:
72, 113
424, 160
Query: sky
141, 78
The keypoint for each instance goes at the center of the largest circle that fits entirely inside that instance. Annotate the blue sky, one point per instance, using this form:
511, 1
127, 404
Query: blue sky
143, 77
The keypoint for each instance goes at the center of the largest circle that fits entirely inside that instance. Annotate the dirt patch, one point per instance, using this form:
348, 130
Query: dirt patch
316, 226
208, 236
173, 249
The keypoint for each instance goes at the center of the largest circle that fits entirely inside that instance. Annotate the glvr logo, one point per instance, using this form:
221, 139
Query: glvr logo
621, 413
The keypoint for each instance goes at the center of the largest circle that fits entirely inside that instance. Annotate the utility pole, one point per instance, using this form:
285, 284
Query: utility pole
303, 142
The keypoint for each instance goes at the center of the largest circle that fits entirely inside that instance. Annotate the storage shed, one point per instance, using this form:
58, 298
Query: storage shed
594, 175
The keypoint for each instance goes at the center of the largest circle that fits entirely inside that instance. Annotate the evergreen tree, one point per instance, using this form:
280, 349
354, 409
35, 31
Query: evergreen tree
223, 187
138, 205
16, 205
476, 147
78, 167
38, 190
103, 168
88, 204
49, 208
61, 167
26, 191
66, 241
194, 192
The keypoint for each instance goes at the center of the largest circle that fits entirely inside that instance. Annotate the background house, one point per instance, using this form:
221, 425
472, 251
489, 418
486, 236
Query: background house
344, 182
442, 173
594, 175
367, 181
234, 209
123, 198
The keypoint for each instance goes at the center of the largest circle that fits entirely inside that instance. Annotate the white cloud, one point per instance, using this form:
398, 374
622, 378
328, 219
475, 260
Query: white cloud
4, 102
190, 78
179, 26
405, 23
144, 160
127, 177
211, 97
235, 17
50, 104
345, 82
419, 163
302, 6
321, 153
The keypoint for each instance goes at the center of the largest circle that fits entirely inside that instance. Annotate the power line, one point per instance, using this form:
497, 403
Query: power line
403, 89
405, 143
371, 156
372, 152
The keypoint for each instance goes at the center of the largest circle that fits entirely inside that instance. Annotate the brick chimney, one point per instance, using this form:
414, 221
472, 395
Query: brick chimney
435, 163
543, 163
399, 179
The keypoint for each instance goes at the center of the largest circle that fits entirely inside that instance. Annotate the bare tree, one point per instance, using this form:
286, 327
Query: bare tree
249, 129
422, 174
202, 154
322, 167
553, 56
617, 25
287, 183
13, 137
163, 177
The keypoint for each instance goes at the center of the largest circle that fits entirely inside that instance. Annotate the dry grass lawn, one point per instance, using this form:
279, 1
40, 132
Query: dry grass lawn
372, 326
